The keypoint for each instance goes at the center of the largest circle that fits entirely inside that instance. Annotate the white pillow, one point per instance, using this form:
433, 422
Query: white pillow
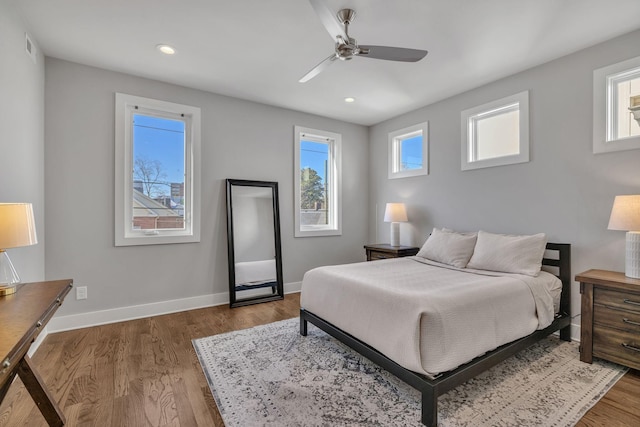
449, 247
509, 254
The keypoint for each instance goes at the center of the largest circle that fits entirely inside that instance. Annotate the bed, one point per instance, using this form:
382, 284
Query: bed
255, 274
392, 314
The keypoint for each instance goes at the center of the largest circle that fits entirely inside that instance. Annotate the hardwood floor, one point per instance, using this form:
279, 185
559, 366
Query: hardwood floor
145, 373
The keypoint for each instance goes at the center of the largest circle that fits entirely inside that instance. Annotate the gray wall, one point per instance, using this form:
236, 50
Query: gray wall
22, 135
240, 139
565, 190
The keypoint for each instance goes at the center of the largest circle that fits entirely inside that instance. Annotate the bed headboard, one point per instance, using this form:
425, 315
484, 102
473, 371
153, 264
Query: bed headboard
562, 261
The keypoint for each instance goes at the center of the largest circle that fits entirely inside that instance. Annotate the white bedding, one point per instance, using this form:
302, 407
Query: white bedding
428, 317
255, 272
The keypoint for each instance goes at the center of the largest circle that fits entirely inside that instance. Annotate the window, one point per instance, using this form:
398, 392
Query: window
496, 133
615, 89
318, 202
409, 152
157, 172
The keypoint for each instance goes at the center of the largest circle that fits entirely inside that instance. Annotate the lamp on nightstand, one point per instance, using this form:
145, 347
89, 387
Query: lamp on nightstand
17, 228
395, 213
625, 215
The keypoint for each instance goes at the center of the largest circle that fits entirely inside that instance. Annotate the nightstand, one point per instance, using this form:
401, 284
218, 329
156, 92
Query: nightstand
384, 251
610, 326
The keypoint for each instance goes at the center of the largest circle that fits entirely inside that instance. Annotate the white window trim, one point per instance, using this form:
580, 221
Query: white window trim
468, 137
605, 117
394, 151
125, 106
335, 153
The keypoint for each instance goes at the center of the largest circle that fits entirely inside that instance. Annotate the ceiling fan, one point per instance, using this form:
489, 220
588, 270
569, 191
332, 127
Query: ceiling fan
348, 47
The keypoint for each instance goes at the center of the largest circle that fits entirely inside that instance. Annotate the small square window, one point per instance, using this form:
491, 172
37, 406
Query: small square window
496, 133
615, 90
408, 152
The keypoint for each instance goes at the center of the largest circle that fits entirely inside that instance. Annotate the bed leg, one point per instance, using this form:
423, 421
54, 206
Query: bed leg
565, 333
429, 407
303, 326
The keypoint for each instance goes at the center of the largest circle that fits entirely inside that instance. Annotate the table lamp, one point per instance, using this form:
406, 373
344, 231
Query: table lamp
625, 215
395, 213
17, 228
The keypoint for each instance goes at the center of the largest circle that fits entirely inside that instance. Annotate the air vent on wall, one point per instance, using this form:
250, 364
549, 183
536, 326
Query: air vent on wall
29, 47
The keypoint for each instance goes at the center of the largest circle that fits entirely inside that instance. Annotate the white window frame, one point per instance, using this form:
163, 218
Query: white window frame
519, 101
125, 107
605, 102
395, 151
334, 228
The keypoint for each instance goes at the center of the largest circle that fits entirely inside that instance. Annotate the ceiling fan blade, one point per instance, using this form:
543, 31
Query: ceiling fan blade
329, 20
318, 68
392, 53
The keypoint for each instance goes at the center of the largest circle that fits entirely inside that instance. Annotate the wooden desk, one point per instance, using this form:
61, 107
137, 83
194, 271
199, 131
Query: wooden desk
22, 316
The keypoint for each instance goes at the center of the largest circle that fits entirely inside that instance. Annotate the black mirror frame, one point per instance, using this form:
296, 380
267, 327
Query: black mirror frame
279, 288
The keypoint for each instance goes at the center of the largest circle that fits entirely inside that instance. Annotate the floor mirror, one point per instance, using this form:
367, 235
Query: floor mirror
253, 232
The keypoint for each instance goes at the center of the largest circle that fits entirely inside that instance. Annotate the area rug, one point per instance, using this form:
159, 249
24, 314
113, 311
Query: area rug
270, 375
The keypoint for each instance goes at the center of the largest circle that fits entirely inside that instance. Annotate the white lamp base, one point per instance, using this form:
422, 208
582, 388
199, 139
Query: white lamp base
395, 234
632, 264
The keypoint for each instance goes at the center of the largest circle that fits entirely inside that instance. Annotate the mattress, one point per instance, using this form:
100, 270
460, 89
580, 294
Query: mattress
428, 317
255, 272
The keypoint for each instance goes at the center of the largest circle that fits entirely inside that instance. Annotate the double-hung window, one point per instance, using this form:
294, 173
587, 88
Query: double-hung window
157, 194
318, 210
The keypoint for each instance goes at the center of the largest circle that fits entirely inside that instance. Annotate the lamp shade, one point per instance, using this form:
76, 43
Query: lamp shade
17, 226
395, 212
625, 214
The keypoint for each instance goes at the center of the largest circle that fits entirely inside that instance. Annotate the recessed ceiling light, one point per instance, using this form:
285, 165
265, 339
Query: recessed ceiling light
166, 49
349, 99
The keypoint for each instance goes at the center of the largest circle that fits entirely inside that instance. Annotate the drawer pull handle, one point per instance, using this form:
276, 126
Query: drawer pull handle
6, 364
628, 301
625, 320
630, 347
39, 324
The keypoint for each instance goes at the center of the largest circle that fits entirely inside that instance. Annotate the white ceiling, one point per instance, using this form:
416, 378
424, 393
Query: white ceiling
258, 49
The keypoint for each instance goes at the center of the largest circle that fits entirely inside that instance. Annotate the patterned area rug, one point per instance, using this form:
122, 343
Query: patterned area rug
270, 375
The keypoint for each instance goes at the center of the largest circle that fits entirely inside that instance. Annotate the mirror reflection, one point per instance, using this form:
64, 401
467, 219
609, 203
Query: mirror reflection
253, 229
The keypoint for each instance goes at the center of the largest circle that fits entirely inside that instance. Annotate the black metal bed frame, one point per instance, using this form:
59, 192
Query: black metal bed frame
248, 286
432, 388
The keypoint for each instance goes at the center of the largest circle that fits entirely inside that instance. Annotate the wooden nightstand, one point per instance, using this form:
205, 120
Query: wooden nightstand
610, 326
384, 251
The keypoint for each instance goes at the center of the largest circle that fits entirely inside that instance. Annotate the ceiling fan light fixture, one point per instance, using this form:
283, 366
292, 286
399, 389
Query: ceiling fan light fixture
166, 49
346, 47
349, 99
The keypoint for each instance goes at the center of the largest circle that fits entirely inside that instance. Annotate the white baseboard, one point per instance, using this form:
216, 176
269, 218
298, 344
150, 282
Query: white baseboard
120, 314
575, 332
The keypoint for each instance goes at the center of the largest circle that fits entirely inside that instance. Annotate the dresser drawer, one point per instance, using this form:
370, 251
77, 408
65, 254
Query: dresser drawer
617, 346
626, 320
618, 299
380, 255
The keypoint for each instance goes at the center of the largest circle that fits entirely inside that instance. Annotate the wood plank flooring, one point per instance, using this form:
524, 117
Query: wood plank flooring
145, 373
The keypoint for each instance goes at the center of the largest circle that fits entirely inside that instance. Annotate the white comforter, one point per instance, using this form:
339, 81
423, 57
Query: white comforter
427, 317
255, 272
